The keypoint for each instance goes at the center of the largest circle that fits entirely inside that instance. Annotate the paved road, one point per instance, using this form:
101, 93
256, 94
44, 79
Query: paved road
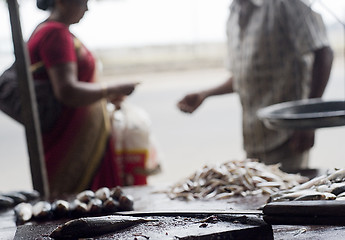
187, 142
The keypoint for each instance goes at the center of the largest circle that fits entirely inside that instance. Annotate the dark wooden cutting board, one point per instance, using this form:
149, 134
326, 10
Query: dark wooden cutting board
170, 227
322, 208
323, 212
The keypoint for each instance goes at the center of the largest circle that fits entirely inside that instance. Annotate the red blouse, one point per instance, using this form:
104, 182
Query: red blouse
53, 43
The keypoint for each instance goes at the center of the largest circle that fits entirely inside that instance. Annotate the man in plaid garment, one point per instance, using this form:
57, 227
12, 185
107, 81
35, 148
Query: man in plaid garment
278, 51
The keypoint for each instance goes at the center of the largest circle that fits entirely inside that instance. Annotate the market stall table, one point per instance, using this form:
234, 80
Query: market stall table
148, 198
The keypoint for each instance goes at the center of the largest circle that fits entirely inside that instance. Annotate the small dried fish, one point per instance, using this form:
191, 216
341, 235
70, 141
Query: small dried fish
78, 208
94, 206
341, 195
103, 193
330, 186
126, 203
316, 196
309, 184
289, 196
300, 231
30, 195
270, 184
241, 178
6, 202
338, 188
337, 176
23, 212
41, 210
16, 196
95, 226
116, 193
60, 208
85, 196
224, 196
111, 205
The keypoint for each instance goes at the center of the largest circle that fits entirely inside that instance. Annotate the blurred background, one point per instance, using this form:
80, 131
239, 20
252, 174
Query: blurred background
172, 47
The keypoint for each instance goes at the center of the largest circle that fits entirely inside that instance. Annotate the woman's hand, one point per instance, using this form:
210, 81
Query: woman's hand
119, 92
125, 89
115, 90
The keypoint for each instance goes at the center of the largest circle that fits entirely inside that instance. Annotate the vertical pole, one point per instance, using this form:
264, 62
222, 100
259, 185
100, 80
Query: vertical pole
29, 105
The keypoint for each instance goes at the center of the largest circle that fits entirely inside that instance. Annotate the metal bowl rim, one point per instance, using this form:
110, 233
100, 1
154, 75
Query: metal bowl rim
269, 112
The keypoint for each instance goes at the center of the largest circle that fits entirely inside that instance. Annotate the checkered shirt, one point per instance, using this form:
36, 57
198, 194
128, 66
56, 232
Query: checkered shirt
270, 44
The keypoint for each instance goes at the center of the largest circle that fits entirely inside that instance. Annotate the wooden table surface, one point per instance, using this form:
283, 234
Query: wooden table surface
147, 199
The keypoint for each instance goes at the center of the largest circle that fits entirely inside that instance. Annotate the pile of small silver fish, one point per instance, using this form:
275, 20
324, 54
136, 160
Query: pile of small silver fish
234, 178
328, 186
86, 203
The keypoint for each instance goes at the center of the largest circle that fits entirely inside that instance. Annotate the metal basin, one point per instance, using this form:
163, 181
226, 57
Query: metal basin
304, 114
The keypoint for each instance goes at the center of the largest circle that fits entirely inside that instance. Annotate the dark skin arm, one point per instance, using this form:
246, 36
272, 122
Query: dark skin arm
323, 58
74, 93
321, 71
192, 101
301, 140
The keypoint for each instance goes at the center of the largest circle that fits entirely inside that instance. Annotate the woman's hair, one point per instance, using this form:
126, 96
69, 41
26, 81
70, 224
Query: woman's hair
45, 4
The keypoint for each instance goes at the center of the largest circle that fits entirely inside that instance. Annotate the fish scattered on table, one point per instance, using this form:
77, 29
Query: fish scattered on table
329, 186
41, 210
30, 195
16, 196
234, 178
87, 203
85, 196
78, 208
94, 226
317, 196
116, 192
103, 193
23, 212
60, 208
6, 202
95, 206
111, 205
13, 198
126, 203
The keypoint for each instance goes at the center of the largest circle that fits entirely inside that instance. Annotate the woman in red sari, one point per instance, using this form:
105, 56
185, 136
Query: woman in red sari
78, 148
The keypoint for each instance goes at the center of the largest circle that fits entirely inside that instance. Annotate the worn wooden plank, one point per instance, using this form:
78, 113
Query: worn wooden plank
166, 228
29, 106
150, 198
320, 208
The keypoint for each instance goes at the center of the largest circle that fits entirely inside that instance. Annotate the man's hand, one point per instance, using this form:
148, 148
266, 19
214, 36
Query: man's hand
190, 102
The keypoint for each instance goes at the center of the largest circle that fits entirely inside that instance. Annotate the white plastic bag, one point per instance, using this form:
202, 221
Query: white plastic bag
134, 143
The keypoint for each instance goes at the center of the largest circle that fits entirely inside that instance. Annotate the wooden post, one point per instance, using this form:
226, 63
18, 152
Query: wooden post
29, 105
